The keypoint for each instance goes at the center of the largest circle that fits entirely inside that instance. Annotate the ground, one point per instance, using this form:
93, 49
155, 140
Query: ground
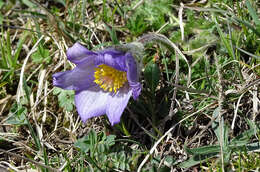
199, 70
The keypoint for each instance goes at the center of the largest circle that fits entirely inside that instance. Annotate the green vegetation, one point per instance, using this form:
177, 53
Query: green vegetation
199, 108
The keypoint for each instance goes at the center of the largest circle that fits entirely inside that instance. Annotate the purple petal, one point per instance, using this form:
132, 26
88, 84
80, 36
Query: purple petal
113, 58
111, 51
80, 78
117, 104
133, 75
77, 53
91, 102
136, 88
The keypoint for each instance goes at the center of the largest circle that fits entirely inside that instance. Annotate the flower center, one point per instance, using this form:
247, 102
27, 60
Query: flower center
109, 78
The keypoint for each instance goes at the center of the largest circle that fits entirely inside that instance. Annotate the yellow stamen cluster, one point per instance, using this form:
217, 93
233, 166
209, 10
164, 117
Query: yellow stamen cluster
109, 78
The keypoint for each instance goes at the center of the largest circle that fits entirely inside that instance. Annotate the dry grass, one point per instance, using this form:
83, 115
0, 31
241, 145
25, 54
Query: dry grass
46, 138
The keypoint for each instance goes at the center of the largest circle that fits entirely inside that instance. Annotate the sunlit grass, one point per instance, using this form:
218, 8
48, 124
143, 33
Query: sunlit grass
215, 65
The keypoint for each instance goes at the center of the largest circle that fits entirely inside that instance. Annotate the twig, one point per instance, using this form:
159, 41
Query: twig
181, 22
20, 28
256, 82
32, 161
138, 4
203, 130
165, 134
250, 54
235, 113
190, 52
4, 100
191, 90
159, 38
177, 72
20, 86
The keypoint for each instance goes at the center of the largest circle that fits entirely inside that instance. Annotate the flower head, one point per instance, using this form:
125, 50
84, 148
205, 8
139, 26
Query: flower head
103, 81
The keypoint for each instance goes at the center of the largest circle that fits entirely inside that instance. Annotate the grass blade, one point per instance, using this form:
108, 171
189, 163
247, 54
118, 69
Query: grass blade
252, 12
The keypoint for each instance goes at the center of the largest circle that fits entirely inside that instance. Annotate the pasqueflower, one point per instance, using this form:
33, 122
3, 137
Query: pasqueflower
103, 81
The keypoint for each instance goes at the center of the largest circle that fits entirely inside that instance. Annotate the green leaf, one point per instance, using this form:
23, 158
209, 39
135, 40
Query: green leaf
3, 84
1, 19
246, 23
221, 131
21, 41
252, 125
1, 15
110, 140
203, 150
27, 90
224, 39
29, 3
61, 2
196, 159
17, 115
253, 13
95, 144
218, 126
152, 75
227, 155
253, 146
65, 98
243, 138
41, 55
83, 144
8, 47
112, 34
169, 161
136, 25
1, 4
88, 143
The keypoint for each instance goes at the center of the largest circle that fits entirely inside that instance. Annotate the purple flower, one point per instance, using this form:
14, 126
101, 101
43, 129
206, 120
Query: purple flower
103, 81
